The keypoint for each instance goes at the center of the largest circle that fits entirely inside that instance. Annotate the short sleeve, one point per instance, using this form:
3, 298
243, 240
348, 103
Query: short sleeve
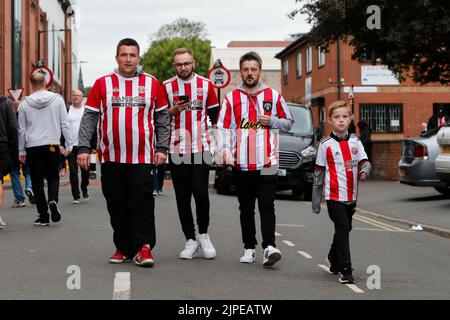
94, 100
362, 152
321, 159
161, 102
212, 100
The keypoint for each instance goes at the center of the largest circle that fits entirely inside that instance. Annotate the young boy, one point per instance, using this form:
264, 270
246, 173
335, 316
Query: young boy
341, 161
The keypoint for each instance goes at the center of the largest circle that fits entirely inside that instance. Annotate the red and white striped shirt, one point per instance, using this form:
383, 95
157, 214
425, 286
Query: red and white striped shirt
127, 107
253, 146
189, 129
341, 160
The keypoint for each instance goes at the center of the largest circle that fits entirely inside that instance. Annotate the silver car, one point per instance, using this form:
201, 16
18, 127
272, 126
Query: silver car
417, 167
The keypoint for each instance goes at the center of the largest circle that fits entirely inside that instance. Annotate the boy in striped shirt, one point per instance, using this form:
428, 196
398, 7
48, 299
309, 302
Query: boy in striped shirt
341, 162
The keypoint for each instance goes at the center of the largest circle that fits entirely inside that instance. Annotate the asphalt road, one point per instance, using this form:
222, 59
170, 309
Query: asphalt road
38, 263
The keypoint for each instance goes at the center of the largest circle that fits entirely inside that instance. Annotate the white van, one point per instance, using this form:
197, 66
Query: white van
442, 162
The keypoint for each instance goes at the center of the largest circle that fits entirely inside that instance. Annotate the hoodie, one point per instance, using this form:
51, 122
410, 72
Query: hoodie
8, 126
42, 119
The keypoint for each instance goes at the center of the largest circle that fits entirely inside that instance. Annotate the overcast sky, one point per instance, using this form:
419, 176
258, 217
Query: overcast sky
103, 23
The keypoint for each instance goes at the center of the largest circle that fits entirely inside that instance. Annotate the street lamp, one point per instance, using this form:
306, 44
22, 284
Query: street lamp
40, 62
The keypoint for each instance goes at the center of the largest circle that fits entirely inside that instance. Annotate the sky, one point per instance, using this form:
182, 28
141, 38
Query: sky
103, 23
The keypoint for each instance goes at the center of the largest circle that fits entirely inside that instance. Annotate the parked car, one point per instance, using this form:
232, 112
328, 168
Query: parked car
297, 155
417, 165
443, 159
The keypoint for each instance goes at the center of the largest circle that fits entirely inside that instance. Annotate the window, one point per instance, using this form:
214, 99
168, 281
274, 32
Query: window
285, 70
308, 59
321, 57
383, 118
299, 65
17, 44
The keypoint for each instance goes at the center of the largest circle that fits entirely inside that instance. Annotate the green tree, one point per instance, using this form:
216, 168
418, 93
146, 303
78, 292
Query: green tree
181, 33
413, 40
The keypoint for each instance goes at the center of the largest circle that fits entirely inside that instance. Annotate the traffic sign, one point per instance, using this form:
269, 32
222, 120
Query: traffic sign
16, 94
220, 77
48, 74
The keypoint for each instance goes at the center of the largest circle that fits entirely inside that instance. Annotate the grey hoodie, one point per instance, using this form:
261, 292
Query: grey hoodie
42, 118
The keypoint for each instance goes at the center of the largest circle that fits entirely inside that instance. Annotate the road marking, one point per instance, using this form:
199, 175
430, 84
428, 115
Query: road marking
277, 234
354, 288
122, 286
305, 254
290, 244
370, 229
292, 225
378, 223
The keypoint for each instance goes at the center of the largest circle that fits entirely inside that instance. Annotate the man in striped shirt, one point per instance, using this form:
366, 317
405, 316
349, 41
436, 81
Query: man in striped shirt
341, 162
192, 99
249, 120
134, 137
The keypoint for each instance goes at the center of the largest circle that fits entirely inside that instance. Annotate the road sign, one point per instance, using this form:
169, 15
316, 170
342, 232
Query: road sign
48, 74
220, 77
16, 94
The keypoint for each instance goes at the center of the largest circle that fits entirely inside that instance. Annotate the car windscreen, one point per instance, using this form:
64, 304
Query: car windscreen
303, 122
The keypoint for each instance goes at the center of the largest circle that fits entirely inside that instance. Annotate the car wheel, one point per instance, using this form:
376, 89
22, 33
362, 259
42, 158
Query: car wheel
296, 193
444, 191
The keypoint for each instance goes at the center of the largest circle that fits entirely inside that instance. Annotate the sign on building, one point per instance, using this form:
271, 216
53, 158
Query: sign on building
378, 76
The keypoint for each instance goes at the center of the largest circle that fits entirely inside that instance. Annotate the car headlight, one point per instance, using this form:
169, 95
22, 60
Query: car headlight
309, 154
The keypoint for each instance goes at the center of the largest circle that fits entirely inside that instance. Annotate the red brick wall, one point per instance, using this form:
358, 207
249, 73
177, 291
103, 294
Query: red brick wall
385, 158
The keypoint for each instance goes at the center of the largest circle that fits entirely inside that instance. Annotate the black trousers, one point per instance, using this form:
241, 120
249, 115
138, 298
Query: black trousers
44, 164
341, 214
129, 197
252, 186
73, 167
191, 179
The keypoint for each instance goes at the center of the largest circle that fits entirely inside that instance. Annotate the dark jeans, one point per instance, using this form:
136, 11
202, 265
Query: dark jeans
252, 186
129, 197
73, 167
158, 178
191, 179
44, 164
341, 214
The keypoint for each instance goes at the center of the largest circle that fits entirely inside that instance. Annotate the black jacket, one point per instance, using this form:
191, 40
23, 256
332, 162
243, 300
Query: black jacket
8, 127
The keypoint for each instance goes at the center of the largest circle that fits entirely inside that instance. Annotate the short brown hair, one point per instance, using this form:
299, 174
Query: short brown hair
129, 43
183, 51
251, 56
37, 79
336, 105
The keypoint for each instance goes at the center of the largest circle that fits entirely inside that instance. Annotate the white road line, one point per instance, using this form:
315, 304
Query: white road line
122, 286
290, 244
292, 225
277, 234
305, 254
354, 288
324, 267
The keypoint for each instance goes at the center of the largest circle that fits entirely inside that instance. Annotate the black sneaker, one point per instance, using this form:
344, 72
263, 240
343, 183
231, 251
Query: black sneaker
86, 196
56, 214
332, 267
30, 195
346, 276
42, 222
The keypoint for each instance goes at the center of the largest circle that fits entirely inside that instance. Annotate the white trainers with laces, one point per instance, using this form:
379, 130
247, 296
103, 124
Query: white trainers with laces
209, 252
249, 256
271, 256
190, 251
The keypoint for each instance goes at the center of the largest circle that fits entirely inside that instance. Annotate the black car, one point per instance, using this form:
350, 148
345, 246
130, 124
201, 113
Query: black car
297, 154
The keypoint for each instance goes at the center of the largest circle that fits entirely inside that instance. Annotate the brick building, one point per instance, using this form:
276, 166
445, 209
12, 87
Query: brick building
393, 110
235, 49
29, 26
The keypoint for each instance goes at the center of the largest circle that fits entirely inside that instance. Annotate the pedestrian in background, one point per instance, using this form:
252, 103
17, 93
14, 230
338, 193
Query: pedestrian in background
158, 180
8, 144
134, 137
42, 122
365, 135
248, 121
438, 119
192, 99
341, 162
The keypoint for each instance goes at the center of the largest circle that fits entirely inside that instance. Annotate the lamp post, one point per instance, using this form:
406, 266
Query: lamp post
40, 62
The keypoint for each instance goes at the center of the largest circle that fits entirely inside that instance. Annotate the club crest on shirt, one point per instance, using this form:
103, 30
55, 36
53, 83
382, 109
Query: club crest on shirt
267, 105
355, 151
141, 89
200, 92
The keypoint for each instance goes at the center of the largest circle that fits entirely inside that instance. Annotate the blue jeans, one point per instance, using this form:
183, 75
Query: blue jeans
17, 185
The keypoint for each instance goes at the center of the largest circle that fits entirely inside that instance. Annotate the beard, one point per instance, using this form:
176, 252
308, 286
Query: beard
184, 76
253, 84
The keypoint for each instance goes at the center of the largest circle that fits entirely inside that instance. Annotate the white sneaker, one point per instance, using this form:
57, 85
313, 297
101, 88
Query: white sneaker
2, 223
190, 251
155, 193
271, 256
249, 256
209, 252
76, 201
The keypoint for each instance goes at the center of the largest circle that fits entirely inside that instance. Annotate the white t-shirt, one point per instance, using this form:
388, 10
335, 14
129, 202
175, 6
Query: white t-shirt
74, 117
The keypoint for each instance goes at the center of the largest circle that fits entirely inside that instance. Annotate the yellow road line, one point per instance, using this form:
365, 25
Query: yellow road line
378, 223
